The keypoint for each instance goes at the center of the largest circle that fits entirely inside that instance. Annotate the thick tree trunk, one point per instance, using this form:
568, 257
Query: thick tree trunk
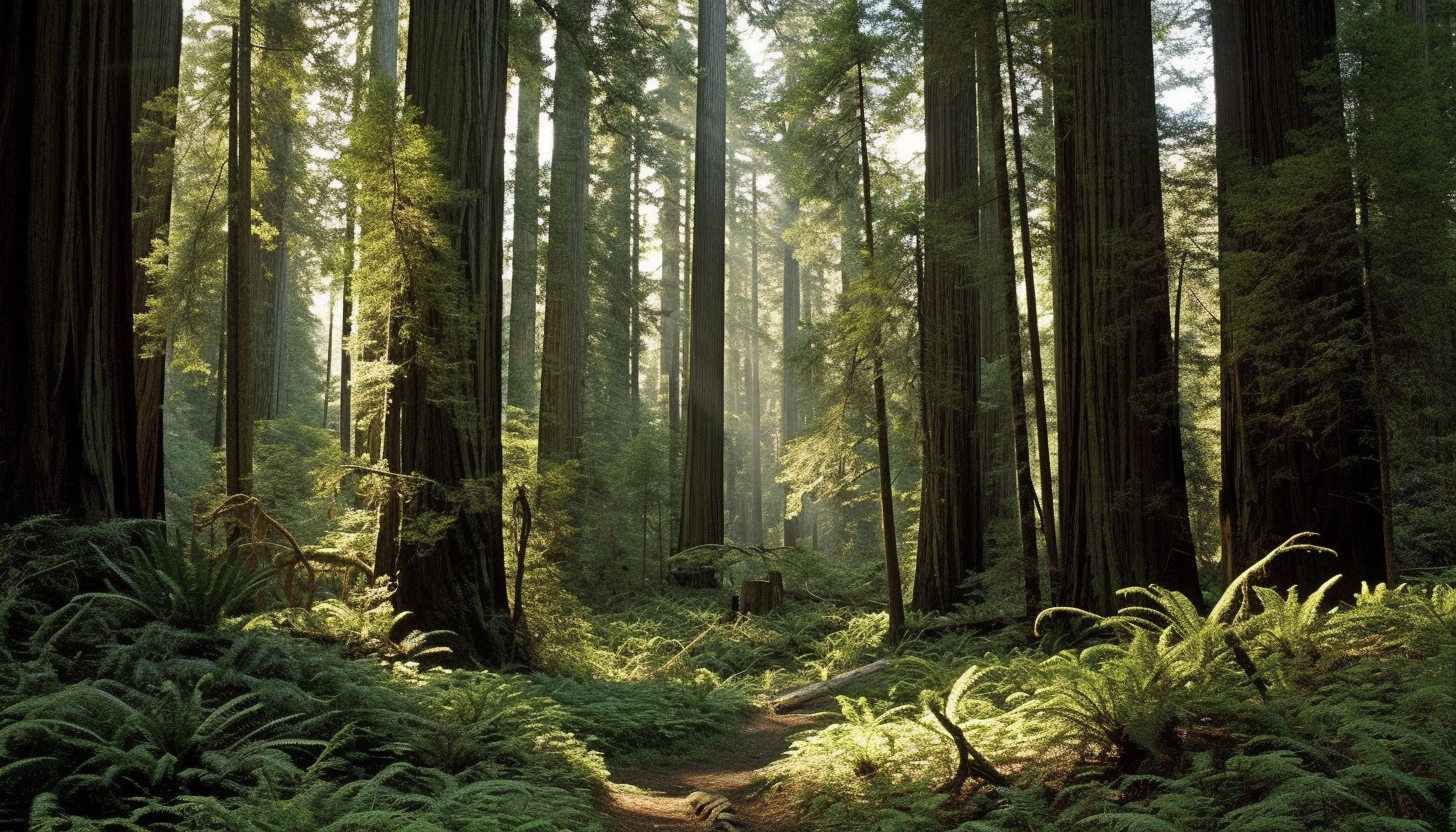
68, 425
951, 520
525, 242
1299, 432
702, 499
456, 75
563, 353
1124, 501
156, 41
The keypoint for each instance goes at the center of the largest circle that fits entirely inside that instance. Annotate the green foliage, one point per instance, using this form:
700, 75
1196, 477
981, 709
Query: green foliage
184, 585
660, 718
1294, 716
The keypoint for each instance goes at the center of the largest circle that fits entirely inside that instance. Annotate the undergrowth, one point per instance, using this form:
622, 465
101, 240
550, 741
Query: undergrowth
1273, 712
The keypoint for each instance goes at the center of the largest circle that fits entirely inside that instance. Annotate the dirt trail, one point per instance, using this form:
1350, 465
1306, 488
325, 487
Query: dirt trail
653, 797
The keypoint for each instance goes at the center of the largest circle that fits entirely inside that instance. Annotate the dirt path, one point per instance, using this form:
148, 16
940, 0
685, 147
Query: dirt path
646, 798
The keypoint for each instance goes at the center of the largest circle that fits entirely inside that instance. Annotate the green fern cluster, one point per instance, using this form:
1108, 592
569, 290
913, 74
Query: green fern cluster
1272, 712
131, 702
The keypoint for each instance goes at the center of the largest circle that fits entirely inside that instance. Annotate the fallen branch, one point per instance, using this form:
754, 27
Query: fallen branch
796, 698
971, 760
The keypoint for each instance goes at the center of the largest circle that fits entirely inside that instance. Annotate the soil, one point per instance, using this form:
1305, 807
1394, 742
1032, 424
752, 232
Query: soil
654, 796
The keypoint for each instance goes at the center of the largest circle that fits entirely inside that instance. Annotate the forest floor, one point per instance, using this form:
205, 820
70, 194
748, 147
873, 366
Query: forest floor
653, 796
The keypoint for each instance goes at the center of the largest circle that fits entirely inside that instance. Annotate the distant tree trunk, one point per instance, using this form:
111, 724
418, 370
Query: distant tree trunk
456, 75
789, 401
951, 522
1124, 500
994, 123
156, 61
68, 425
384, 40
634, 256
1299, 431
995, 434
271, 313
525, 243
238, 475
346, 291
563, 353
755, 398
670, 289
702, 499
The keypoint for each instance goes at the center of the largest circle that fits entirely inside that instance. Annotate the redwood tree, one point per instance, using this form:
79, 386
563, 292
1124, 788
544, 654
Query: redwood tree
68, 425
1123, 497
452, 565
702, 498
156, 61
951, 527
563, 346
1299, 438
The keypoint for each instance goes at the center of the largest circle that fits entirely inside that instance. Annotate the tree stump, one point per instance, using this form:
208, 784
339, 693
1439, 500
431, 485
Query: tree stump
763, 595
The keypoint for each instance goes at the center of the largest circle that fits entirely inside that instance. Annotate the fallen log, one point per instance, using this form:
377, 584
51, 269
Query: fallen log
796, 698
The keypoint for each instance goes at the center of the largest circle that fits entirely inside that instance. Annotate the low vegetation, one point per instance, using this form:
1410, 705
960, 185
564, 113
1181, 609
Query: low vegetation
142, 687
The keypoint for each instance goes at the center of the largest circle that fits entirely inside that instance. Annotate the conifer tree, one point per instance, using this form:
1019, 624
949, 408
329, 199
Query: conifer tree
702, 499
951, 523
1123, 497
452, 566
1299, 433
156, 62
526, 58
69, 423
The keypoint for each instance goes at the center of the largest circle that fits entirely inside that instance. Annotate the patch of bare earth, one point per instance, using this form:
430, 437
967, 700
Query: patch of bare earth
654, 797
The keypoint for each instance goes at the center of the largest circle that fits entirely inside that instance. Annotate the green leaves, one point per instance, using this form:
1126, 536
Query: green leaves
185, 586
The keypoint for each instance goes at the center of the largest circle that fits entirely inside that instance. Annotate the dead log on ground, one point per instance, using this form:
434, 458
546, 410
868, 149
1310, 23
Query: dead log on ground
833, 684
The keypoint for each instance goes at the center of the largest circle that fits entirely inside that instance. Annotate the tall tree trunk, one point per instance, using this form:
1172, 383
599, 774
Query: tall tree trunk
156, 42
238, 474
789, 396
525, 242
670, 288
346, 290
1299, 431
69, 420
994, 121
702, 499
951, 520
384, 40
755, 399
1124, 500
1033, 326
563, 353
634, 256
279, 63
456, 75
896, 606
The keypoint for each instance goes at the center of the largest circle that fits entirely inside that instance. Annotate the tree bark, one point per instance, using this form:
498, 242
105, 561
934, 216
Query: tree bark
563, 353
1033, 326
156, 61
789, 395
702, 499
69, 422
525, 242
951, 520
989, 60
238, 475
456, 75
1299, 432
1124, 500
